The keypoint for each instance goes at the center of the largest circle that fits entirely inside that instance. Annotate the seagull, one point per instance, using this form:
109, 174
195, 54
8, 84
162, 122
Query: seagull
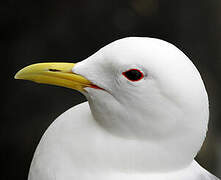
145, 117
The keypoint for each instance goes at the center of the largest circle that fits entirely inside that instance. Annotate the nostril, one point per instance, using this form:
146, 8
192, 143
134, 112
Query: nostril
54, 70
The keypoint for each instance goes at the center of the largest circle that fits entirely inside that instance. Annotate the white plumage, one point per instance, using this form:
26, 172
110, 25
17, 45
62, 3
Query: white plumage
151, 128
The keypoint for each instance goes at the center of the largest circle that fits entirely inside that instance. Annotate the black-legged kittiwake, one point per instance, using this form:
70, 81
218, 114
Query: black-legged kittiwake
145, 119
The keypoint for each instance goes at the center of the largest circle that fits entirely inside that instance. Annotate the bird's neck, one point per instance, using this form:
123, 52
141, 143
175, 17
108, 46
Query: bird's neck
145, 141
145, 155
133, 155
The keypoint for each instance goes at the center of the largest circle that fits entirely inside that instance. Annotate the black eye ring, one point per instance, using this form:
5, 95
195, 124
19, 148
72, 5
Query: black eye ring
133, 74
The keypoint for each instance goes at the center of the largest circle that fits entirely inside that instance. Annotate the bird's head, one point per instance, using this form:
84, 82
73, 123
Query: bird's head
142, 88
148, 89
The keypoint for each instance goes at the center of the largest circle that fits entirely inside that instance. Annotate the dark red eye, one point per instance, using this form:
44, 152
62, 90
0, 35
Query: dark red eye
133, 74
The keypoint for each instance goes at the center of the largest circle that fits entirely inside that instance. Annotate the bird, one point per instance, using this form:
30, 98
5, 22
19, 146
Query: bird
145, 118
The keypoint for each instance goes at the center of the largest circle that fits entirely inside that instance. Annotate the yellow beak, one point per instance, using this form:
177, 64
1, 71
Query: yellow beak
59, 74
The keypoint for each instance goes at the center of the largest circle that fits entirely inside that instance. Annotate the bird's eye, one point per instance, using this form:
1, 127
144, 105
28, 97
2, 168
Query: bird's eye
133, 74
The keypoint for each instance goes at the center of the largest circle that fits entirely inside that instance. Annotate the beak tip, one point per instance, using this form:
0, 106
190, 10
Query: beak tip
17, 75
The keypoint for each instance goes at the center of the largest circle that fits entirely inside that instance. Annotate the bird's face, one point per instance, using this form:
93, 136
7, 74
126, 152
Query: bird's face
137, 88
147, 89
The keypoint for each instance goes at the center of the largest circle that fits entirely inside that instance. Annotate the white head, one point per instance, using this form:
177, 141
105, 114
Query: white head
167, 104
153, 102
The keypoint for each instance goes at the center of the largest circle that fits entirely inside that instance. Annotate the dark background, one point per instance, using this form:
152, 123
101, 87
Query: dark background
46, 30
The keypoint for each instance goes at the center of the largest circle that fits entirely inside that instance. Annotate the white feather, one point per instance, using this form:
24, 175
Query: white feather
150, 129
